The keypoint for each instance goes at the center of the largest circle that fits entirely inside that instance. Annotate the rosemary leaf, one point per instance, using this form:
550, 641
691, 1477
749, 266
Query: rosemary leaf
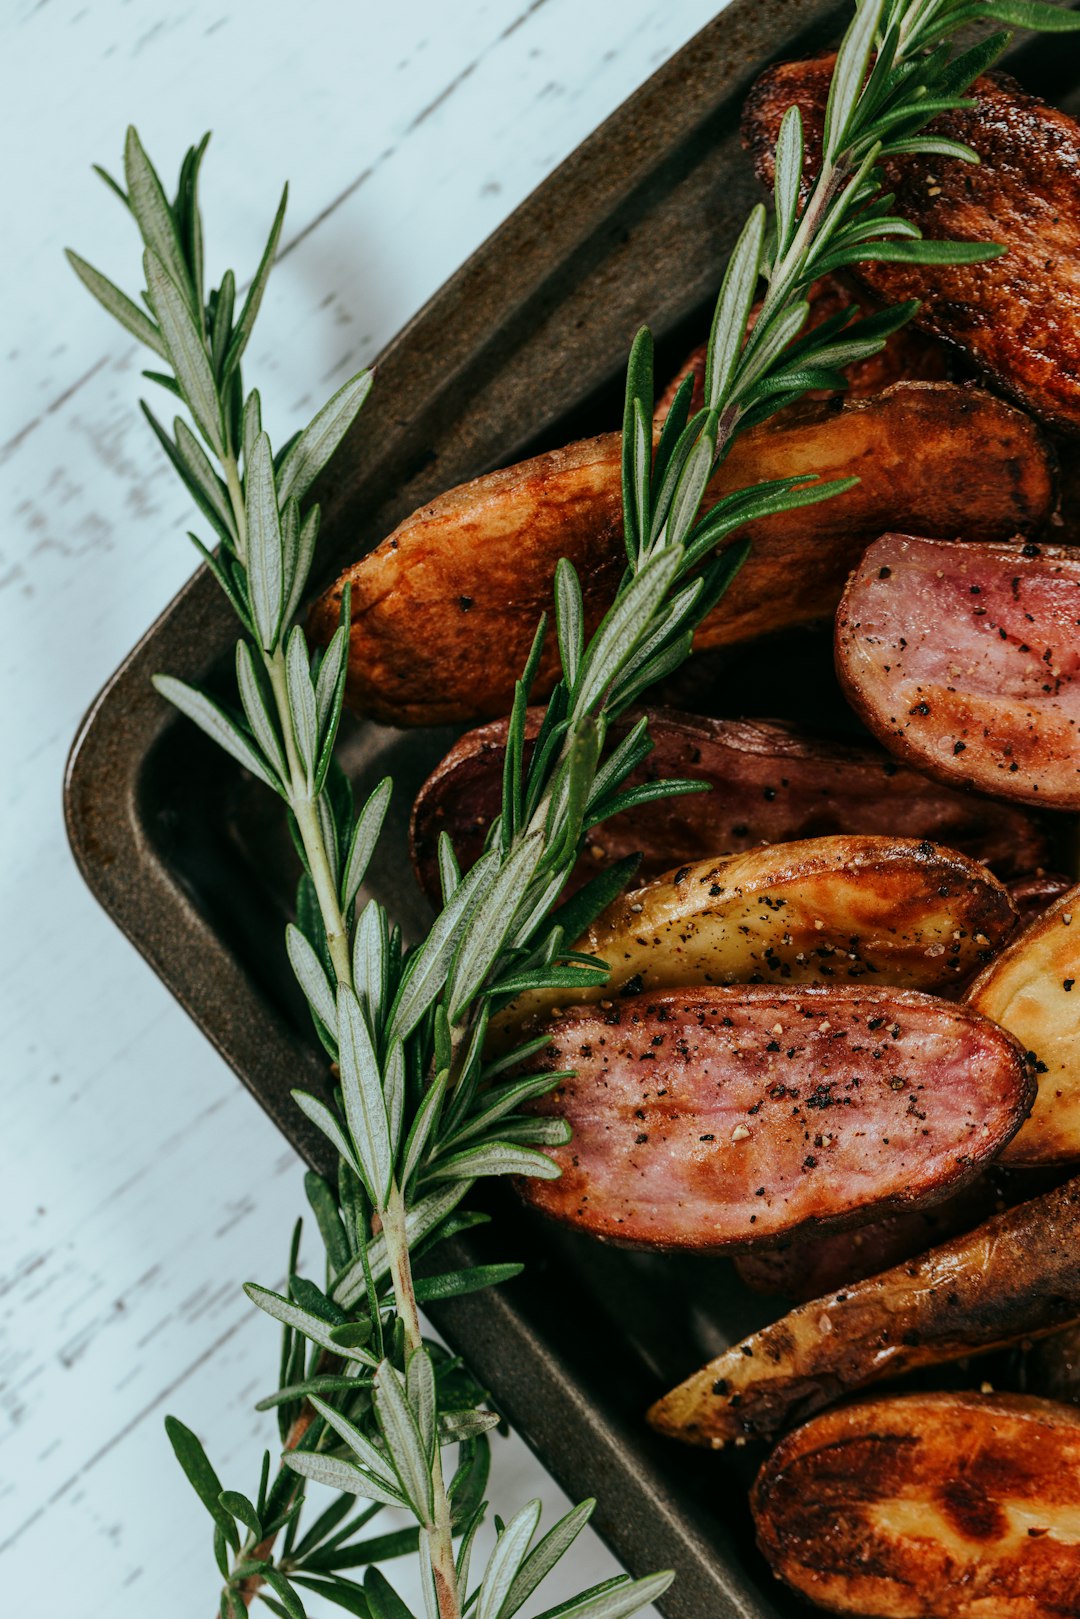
317, 443
265, 558
119, 306
246, 323
148, 203
365, 1106
186, 350
312, 1326
212, 718
404, 1442
344, 1476
505, 1562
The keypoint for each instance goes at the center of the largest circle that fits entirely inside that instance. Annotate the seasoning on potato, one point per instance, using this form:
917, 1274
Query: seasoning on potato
963, 660
724, 1119
444, 611
960, 1506
768, 783
1033, 989
1014, 1277
1018, 318
819, 911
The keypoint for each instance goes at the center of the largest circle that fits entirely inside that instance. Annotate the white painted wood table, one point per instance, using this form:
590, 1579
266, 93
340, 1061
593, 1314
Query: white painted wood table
140, 1184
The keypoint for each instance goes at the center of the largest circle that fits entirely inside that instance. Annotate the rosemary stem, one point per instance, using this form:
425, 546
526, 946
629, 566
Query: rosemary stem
231, 470
300, 800
439, 1533
310, 827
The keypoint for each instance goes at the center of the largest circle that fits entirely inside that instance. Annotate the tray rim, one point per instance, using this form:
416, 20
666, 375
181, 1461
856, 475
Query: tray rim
639, 1521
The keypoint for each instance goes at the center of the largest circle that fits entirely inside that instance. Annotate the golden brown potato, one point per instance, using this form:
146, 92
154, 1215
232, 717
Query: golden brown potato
1033, 989
720, 1120
1014, 1277
825, 910
768, 783
908, 356
445, 609
1017, 316
929, 1506
964, 660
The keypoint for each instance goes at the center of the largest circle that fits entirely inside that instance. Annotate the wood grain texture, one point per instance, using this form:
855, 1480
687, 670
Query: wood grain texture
131, 1215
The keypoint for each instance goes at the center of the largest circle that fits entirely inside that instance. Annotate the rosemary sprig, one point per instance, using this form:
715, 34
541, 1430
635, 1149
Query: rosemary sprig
364, 1403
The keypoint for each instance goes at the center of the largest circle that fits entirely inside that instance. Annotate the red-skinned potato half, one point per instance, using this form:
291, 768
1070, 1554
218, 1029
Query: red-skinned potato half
1033, 989
908, 354
813, 1264
929, 1506
721, 1119
768, 783
1017, 316
964, 661
1036, 892
444, 611
1014, 1277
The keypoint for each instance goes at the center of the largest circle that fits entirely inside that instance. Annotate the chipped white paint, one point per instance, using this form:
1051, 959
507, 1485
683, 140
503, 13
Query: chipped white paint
140, 1185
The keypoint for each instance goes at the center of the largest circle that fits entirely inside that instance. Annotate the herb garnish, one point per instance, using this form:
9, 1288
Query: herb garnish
364, 1403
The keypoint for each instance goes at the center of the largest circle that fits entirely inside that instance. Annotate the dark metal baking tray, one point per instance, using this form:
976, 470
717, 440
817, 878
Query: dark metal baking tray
523, 348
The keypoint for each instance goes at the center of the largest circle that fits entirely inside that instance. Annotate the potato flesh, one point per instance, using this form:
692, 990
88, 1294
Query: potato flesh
444, 611
822, 910
724, 1119
1033, 990
1016, 1276
964, 660
929, 1506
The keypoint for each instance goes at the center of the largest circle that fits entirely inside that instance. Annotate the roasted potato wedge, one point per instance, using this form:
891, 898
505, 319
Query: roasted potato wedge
1033, 989
908, 356
824, 910
964, 661
1014, 1277
768, 783
1035, 893
813, 1264
1052, 1366
1017, 316
721, 1119
929, 1506
445, 609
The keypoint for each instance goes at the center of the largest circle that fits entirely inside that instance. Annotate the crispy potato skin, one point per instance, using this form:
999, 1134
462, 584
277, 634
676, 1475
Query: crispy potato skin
929, 1506
964, 660
1031, 989
1052, 1365
812, 1265
768, 783
1017, 316
445, 609
1036, 892
824, 910
722, 1119
1016, 1276
909, 355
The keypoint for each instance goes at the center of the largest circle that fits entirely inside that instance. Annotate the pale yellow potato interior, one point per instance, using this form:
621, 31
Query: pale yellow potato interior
1033, 990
